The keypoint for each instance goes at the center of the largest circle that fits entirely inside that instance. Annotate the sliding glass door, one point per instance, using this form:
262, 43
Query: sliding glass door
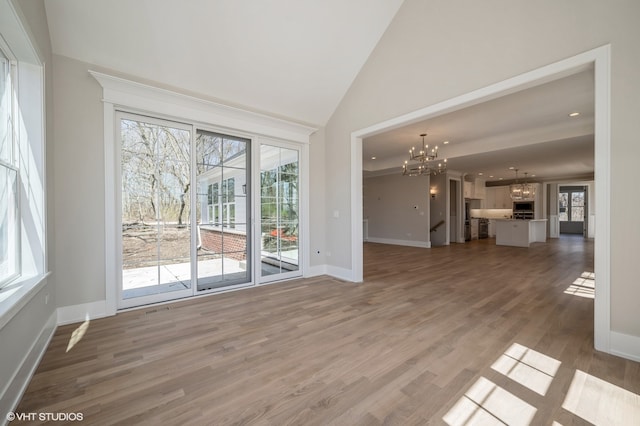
223, 210
185, 211
155, 178
279, 212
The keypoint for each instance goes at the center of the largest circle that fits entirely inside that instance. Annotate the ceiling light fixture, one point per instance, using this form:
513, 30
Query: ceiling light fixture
522, 191
373, 158
427, 161
574, 114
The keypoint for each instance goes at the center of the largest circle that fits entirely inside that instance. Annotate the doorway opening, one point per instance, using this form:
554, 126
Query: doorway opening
597, 59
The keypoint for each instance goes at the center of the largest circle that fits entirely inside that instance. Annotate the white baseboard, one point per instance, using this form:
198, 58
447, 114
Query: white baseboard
18, 385
314, 271
339, 273
423, 244
625, 346
79, 313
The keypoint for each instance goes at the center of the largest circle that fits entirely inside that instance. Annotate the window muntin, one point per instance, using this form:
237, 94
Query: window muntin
9, 179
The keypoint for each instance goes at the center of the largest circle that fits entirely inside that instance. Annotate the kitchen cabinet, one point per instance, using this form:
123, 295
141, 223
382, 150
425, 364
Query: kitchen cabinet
468, 189
474, 190
479, 189
498, 197
520, 233
474, 228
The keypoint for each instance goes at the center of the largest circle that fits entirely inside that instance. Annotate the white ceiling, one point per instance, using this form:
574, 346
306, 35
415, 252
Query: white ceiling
530, 130
290, 58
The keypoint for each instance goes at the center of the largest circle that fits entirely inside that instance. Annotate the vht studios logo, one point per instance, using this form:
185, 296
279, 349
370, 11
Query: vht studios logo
45, 417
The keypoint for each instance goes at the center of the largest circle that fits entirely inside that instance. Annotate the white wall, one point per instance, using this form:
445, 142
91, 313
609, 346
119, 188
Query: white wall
436, 50
78, 161
397, 208
317, 219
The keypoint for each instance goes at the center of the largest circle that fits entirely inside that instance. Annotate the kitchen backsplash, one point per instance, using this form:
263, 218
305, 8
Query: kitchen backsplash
491, 213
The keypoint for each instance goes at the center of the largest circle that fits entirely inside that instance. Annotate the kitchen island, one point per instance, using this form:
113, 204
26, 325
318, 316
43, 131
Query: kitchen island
520, 232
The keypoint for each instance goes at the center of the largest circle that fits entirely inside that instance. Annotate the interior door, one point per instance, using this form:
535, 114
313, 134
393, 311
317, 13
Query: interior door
155, 219
279, 207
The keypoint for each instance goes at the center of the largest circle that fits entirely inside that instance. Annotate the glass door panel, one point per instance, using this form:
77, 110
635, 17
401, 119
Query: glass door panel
155, 192
572, 210
223, 211
279, 212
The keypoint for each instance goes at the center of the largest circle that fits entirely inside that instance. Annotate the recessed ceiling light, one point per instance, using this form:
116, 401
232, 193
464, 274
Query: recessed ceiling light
480, 174
533, 175
445, 142
373, 158
574, 114
490, 175
499, 178
512, 168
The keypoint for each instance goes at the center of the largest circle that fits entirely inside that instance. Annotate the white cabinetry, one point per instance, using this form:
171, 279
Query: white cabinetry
492, 228
468, 189
479, 189
474, 228
474, 190
520, 233
498, 197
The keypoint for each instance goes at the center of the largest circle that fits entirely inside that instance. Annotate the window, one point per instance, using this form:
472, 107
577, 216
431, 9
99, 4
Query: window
9, 213
214, 208
571, 205
229, 202
225, 201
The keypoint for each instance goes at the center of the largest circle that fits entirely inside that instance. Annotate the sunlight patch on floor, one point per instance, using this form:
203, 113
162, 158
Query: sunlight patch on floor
583, 286
590, 398
487, 403
527, 367
601, 402
77, 334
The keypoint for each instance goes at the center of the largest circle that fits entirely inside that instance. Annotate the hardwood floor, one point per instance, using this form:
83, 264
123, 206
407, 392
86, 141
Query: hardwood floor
465, 333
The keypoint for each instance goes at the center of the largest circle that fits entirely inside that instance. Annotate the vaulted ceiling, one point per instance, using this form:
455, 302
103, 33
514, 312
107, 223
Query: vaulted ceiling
297, 58
290, 58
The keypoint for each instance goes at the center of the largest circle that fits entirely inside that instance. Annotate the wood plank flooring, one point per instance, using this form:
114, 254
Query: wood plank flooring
456, 334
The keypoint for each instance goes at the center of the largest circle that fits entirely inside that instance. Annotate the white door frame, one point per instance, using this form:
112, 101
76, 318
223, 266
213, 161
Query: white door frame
600, 60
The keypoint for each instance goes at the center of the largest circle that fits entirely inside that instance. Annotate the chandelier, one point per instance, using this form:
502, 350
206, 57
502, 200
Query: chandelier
522, 191
427, 161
